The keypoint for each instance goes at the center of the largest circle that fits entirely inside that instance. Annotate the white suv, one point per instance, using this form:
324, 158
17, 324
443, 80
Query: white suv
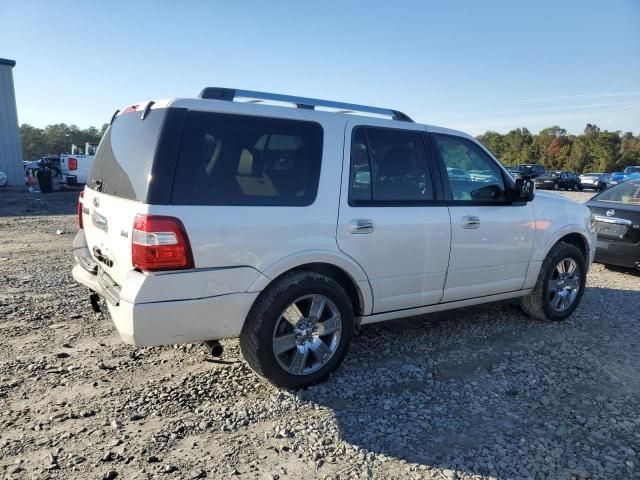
211, 218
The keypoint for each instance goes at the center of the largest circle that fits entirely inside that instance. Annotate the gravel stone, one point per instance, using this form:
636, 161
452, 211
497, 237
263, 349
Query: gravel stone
475, 393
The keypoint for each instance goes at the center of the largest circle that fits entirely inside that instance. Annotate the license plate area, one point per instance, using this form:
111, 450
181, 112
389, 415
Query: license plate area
611, 229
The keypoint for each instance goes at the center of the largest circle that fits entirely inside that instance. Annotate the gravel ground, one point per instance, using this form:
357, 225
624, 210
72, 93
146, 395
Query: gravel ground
479, 392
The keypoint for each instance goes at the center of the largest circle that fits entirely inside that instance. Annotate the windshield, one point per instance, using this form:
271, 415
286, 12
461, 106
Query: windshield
627, 193
629, 170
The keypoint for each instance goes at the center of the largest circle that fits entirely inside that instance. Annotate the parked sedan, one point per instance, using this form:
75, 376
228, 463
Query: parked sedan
558, 181
616, 213
615, 178
595, 181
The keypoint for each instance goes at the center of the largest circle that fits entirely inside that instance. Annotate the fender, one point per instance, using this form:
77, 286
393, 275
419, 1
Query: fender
349, 266
543, 250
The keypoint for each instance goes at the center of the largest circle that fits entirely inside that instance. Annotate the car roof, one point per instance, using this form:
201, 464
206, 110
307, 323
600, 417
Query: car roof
278, 110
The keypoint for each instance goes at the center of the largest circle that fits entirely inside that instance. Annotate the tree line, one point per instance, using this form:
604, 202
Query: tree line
594, 150
55, 139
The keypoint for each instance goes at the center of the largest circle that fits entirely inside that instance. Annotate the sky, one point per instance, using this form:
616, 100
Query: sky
469, 65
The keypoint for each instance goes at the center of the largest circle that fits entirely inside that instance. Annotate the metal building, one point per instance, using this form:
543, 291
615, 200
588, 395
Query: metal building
10, 147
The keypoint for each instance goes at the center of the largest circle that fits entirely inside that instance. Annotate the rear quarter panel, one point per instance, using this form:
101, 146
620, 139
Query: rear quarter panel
267, 237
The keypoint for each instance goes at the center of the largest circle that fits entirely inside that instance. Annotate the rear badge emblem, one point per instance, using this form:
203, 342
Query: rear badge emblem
96, 202
610, 213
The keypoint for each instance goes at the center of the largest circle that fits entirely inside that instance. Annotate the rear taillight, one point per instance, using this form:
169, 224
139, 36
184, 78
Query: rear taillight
73, 163
80, 205
160, 243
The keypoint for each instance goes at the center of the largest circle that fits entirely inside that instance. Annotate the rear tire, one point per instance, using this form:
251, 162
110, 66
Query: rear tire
269, 329
540, 303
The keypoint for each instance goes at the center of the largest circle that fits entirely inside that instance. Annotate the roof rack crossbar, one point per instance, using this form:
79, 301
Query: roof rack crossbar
229, 94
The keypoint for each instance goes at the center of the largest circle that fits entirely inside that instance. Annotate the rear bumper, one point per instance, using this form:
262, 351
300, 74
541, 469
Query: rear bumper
177, 321
182, 307
69, 179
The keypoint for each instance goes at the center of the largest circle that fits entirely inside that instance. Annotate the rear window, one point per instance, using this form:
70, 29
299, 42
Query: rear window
230, 159
124, 158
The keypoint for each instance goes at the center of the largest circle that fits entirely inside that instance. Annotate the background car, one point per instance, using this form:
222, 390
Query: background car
632, 169
531, 170
631, 176
513, 171
594, 181
558, 181
616, 213
615, 178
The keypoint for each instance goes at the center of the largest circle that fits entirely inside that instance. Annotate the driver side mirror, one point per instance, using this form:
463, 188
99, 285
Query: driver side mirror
524, 191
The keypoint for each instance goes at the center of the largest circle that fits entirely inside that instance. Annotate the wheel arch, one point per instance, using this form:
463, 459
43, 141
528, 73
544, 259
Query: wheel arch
571, 234
343, 270
578, 240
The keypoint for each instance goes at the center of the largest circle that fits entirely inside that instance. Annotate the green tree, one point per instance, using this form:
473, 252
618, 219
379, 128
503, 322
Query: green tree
55, 139
553, 147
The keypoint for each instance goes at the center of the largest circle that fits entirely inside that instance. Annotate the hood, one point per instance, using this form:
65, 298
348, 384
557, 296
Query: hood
550, 197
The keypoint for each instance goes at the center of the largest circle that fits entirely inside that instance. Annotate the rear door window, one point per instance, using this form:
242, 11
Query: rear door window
228, 159
389, 166
123, 162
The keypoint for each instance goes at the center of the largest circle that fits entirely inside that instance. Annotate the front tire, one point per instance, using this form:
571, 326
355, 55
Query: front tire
560, 285
299, 330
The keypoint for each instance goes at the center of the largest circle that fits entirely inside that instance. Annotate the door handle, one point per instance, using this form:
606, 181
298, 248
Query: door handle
361, 225
470, 221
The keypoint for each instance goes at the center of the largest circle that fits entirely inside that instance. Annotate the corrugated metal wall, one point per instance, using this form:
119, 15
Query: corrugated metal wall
10, 148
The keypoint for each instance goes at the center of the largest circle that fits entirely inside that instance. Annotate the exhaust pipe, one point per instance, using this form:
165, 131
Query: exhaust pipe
214, 348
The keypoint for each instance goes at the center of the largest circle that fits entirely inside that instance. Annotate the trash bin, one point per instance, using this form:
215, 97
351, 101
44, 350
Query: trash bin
45, 180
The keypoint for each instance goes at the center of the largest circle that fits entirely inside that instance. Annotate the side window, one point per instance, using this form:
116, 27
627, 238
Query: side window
245, 160
389, 165
473, 175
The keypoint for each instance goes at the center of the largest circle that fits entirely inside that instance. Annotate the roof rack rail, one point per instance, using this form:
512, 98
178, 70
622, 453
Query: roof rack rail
229, 94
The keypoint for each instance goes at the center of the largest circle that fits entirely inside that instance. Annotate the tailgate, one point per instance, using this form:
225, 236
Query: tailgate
117, 188
108, 222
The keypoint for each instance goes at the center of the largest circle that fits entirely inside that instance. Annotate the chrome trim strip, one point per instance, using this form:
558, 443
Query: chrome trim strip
617, 221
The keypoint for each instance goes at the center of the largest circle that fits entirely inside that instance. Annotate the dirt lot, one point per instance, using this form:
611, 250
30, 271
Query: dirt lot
479, 392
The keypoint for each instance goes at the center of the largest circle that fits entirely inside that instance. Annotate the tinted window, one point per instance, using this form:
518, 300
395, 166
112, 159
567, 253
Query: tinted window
243, 160
389, 165
480, 180
124, 158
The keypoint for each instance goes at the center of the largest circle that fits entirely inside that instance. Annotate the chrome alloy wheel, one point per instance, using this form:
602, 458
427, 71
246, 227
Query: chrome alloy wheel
307, 334
564, 284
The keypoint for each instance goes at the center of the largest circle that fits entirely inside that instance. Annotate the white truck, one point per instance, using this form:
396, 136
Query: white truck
75, 166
